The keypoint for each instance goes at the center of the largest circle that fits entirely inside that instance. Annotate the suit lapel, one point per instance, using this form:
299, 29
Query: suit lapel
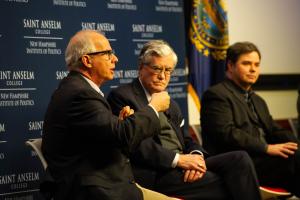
240, 98
259, 111
141, 99
87, 85
175, 128
178, 133
103, 99
139, 93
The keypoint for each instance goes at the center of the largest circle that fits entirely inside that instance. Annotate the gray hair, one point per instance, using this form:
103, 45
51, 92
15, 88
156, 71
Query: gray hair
156, 48
79, 45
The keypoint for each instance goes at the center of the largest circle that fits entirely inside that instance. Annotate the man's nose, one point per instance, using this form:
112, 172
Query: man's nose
253, 67
162, 75
114, 58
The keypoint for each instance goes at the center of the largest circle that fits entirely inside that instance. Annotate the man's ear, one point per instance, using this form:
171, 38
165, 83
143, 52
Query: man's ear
229, 66
86, 61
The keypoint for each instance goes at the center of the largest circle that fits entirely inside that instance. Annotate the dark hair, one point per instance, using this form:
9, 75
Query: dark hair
237, 49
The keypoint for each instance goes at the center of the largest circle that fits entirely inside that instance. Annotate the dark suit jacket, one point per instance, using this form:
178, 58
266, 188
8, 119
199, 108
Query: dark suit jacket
86, 145
229, 124
151, 160
298, 110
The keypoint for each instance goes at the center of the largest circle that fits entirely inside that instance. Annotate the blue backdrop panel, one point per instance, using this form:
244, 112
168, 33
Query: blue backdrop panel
33, 37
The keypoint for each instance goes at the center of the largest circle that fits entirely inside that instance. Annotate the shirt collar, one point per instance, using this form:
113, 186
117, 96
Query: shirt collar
246, 94
93, 85
146, 92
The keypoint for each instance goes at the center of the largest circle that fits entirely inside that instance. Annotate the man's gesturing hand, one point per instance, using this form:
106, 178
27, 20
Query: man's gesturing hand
125, 112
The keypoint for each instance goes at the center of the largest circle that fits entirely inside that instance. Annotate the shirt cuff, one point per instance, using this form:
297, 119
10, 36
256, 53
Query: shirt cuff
198, 152
175, 161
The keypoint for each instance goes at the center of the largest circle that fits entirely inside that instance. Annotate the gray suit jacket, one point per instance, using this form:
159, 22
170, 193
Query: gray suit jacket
150, 160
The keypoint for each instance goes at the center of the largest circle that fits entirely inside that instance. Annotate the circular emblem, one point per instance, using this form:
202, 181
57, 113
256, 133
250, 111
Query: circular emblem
209, 30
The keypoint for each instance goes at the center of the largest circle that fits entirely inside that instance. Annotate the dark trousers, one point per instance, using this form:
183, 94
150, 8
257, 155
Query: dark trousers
70, 189
279, 172
229, 176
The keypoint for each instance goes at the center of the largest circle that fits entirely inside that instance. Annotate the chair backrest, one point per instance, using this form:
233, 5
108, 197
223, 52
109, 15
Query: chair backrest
36, 145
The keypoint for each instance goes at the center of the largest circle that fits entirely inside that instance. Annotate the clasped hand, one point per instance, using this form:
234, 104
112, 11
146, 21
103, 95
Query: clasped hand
194, 166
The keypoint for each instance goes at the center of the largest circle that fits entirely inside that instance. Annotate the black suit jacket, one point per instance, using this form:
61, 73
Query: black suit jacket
151, 160
86, 145
229, 124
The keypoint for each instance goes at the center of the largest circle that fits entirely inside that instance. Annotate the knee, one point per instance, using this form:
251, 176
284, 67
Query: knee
243, 155
243, 159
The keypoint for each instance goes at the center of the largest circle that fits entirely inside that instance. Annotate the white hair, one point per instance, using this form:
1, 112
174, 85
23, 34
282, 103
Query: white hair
156, 48
79, 45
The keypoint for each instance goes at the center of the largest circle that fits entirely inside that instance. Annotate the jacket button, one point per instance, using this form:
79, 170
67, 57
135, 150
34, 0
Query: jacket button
127, 161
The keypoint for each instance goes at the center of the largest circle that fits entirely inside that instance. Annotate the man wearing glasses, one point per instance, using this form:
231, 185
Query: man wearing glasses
169, 162
85, 145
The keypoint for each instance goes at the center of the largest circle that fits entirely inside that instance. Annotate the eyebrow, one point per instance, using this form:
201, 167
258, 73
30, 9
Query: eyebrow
158, 66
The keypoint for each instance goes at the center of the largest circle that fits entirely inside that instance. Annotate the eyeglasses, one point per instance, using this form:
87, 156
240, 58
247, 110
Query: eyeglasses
158, 70
109, 53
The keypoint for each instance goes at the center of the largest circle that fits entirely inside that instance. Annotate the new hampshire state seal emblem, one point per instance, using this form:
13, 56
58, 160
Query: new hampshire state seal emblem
209, 29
